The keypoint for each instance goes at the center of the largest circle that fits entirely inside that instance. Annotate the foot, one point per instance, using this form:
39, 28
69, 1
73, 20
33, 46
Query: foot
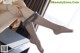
61, 29
41, 50
37, 43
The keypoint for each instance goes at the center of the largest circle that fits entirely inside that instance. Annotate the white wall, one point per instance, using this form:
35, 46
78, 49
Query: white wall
69, 16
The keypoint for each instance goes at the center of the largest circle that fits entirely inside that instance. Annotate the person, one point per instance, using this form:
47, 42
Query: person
18, 12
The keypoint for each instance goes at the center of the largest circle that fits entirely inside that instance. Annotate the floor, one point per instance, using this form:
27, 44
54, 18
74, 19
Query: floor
67, 15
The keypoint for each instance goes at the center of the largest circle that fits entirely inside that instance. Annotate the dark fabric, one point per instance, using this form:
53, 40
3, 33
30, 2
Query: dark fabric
22, 30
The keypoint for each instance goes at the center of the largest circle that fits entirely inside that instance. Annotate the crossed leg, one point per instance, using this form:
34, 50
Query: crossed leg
11, 18
42, 21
